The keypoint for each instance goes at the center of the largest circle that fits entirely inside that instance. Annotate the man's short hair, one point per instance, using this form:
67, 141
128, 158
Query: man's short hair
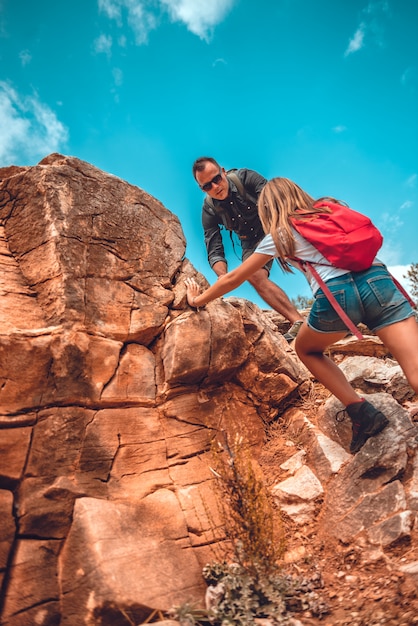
200, 164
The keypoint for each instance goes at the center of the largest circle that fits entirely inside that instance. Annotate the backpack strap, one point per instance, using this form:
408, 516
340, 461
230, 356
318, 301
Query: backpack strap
403, 292
333, 302
241, 189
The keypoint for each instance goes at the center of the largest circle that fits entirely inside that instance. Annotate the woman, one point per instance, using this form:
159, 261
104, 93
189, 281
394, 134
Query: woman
384, 310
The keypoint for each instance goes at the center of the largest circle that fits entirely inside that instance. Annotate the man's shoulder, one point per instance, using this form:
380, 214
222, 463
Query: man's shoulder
248, 175
248, 183
241, 172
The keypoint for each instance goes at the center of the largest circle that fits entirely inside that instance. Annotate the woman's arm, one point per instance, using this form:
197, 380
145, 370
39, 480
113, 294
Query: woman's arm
225, 283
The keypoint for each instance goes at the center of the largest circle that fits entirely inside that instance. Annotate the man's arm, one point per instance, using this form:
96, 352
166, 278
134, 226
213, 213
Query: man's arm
213, 241
252, 181
220, 268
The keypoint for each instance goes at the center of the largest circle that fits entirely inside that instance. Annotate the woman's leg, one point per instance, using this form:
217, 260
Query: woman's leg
401, 339
366, 419
310, 346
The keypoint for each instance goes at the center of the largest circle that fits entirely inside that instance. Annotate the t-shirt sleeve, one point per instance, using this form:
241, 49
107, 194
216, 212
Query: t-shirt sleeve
266, 246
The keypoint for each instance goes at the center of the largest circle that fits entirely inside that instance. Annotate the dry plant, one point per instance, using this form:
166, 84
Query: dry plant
252, 524
308, 394
248, 584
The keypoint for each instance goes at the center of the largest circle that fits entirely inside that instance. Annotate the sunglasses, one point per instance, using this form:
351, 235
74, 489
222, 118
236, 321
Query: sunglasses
215, 181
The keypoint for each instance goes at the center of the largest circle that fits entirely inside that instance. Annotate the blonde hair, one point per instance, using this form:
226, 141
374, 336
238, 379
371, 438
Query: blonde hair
279, 201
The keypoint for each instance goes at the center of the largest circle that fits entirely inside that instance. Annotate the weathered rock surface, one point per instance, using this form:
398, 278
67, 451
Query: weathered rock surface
112, 391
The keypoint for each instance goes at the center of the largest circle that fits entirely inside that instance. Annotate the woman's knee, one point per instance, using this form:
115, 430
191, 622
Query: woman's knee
306, 351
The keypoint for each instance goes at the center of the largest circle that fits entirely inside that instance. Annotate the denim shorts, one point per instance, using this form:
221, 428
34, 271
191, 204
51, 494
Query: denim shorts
370, 297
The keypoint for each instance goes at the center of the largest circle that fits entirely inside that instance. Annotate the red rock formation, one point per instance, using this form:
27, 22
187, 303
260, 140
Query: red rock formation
111, 391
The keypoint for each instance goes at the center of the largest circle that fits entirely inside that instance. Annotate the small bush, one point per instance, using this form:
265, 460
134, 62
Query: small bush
244, 597
252, 525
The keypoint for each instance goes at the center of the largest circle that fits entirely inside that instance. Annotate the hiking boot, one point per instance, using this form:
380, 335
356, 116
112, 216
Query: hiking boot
293, 331
367, 422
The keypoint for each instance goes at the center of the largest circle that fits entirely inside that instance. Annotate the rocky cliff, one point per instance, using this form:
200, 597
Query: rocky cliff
112, 391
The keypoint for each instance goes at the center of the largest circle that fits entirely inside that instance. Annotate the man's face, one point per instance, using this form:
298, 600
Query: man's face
219, 186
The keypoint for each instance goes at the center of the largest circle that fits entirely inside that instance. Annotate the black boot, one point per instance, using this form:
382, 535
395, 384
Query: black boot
367, 421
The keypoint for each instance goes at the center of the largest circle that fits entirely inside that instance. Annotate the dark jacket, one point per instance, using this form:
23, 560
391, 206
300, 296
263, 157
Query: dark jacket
235, 213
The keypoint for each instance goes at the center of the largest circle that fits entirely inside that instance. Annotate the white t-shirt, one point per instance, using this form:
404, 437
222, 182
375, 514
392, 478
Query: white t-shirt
307, 252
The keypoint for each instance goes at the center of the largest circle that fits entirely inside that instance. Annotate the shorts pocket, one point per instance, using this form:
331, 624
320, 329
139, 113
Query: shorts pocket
324, 316
385, 291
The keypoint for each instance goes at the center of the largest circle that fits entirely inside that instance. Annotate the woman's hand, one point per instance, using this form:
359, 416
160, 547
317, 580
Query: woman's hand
193, 290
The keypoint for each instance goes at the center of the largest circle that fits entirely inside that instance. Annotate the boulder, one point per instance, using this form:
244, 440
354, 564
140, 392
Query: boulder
112, 392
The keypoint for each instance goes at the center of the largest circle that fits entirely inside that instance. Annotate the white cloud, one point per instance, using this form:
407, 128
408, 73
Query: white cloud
339, 129
412, 181
103, 43
391, 222
371, 25
406, 205
117, 76
357, 41
399, 272
199, 16
139, 18
29, 129
391, 250
409, 78
112, 8
25, 57
390, 253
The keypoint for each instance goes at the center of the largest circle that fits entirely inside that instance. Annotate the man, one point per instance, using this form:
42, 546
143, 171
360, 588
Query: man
231, 201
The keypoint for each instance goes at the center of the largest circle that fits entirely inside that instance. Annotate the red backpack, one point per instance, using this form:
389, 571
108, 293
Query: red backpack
348, 240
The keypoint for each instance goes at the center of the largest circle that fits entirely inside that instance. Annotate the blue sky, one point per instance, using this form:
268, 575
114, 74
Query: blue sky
324, 92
